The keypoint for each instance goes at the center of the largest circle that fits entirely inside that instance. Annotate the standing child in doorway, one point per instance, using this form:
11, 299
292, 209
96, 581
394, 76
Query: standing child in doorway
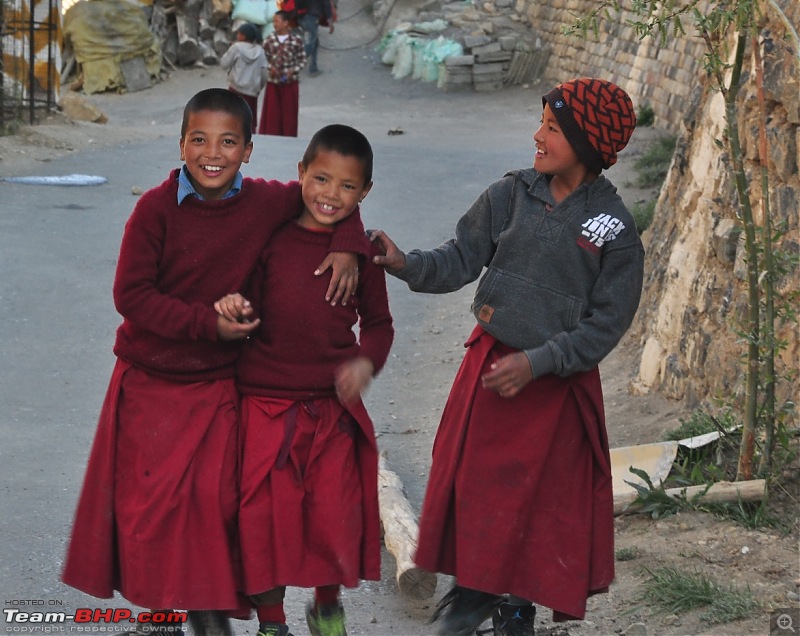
285, 57
247, 67
156, 519
519, 505
309, 504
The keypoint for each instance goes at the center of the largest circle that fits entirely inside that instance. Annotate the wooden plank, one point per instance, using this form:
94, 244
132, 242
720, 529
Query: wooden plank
400, 531
721, 492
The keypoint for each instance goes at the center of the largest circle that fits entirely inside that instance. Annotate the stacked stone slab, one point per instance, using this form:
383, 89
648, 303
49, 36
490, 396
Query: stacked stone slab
490, 64
499, 46
456, 72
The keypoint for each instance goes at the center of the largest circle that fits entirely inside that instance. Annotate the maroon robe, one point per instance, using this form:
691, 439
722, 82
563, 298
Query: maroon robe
519, 497
156, 518
309, 512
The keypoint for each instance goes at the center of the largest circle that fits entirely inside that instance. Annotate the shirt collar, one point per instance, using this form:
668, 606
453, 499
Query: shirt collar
185, 187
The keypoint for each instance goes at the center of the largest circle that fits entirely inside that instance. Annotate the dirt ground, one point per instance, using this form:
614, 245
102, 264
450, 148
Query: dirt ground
766, 560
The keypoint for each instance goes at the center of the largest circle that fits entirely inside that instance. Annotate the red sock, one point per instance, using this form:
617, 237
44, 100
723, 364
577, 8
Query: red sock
271, 613
327, 594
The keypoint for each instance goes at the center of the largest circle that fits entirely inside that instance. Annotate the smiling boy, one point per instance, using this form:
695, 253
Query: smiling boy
156, 518
309, 510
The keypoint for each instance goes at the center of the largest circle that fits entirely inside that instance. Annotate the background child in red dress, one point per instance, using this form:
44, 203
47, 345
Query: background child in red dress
285, 57
156, 518
309, 510
519, 497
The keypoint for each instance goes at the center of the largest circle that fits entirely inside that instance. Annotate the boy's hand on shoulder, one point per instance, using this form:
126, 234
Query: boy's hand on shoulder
352, 378
509, 375
393, 259
344, 276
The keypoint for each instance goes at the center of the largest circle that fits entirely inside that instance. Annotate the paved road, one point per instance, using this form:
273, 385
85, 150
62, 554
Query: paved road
57, 253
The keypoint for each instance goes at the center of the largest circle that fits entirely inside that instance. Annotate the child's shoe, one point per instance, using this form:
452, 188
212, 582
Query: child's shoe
209, 623
462, 610
513, 620
273, 629
325, 620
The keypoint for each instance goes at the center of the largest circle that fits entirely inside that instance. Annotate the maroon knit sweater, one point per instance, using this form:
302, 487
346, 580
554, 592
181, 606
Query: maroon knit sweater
302, 339
177, 260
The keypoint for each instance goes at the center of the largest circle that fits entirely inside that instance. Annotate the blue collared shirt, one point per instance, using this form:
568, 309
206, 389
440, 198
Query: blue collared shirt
185, 187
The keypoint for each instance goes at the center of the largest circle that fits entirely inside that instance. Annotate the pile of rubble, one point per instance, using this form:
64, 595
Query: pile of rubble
494, 45
192, 31
121, 45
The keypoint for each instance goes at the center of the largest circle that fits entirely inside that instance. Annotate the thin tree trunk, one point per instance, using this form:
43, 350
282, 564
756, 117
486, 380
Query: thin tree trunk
745, 467
769, 270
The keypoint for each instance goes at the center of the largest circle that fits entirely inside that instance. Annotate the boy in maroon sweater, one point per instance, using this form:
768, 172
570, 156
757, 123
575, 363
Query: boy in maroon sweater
309, 509
156, 518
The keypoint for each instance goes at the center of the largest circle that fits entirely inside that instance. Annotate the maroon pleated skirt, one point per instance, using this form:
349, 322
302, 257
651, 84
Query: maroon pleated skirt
156, 519
519, 497
309, 504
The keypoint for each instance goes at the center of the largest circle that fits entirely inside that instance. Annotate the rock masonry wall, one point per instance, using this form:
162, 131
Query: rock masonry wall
695, 297
517, 41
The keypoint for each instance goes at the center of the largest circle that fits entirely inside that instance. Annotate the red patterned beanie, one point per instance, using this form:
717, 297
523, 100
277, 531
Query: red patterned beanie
596, 116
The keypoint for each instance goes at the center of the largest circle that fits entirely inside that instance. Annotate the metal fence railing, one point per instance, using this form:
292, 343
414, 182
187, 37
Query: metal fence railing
28, 60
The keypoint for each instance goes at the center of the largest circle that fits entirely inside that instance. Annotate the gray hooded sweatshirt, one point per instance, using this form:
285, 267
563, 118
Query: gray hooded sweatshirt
562, 282
246, 64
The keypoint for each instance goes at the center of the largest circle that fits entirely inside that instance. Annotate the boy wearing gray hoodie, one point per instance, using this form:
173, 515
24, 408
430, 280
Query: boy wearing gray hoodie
246, 64
519, 506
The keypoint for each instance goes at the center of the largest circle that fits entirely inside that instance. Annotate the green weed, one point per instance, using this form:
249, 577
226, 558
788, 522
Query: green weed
627, 554
651, 167
701, 422
643, 214
676, 592
646, 116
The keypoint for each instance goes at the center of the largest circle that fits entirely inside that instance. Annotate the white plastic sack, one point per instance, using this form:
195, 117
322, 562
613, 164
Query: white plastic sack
254, 11
389, 45
434, 53
418, 61
404, 62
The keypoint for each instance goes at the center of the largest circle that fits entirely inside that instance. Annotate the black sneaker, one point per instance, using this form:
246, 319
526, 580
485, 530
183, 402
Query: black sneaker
513, 620
209, 623
273, 629
462, 610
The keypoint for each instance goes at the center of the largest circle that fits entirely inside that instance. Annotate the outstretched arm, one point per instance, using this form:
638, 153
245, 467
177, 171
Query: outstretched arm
392, 259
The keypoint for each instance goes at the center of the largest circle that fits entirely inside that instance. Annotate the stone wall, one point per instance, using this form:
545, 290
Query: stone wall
659, 76
695, 297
